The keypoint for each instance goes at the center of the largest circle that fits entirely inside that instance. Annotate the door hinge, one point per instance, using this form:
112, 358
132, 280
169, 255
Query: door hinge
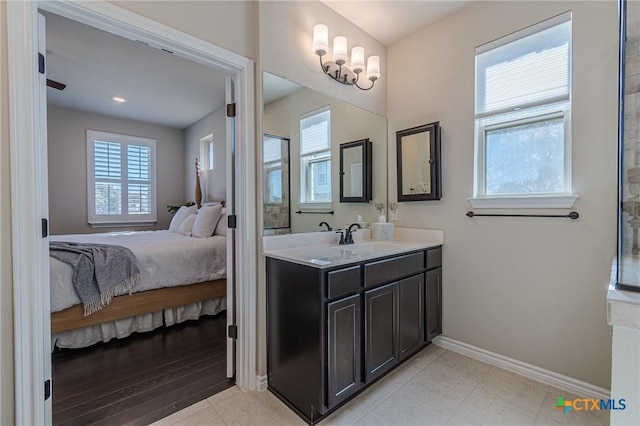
232, 221
45, 228
47, 389
231, 110
233, 331
40, 63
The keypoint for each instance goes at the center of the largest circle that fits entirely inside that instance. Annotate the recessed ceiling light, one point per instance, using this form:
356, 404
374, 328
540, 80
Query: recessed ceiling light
119, 99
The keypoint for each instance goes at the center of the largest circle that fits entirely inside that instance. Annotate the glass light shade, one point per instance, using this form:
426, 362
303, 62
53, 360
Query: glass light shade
373, 68
357, 59
320, 39
340, 55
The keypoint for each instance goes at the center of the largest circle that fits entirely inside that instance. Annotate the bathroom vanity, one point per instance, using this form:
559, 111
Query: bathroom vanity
341, 316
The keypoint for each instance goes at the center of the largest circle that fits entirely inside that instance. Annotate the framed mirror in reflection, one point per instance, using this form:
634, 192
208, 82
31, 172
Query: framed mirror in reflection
418, 157
355, 172
276, 188
301, 114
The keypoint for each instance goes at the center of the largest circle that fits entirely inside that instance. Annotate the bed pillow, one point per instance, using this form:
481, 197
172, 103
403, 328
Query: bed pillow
206, 221
180, 216
187, 226
221, 229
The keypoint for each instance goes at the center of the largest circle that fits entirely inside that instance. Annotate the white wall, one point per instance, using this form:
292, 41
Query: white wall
530, 289
214, 182
68, 166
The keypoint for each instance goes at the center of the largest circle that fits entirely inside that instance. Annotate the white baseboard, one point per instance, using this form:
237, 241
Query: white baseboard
261, 383
548, 377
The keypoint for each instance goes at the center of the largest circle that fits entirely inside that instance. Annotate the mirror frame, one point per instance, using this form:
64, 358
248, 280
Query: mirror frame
288, 185
367, 174
434, 154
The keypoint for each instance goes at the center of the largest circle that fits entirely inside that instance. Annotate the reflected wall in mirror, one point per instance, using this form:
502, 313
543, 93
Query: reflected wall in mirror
285, 104
418, 154
355, 172
276, 195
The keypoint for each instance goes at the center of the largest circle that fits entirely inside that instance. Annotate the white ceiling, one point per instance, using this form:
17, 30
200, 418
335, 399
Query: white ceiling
390, 21
161, 87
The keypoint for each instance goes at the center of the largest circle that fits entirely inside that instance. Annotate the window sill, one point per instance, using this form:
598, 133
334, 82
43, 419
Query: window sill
315, 206
524, 202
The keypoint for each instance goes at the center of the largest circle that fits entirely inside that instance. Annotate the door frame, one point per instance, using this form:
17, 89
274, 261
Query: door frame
31, 313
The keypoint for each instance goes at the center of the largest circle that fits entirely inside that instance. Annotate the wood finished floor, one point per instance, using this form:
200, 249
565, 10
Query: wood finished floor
143, 378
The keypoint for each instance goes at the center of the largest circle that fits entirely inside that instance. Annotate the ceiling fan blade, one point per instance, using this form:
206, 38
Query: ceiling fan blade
56, 84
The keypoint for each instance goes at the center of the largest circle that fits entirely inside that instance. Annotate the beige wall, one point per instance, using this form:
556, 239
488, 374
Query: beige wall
228, 24
530, 289
68, 166
214, 183
6, 282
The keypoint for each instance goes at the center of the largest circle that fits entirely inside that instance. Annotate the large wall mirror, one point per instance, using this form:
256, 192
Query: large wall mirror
315, 126
418, 154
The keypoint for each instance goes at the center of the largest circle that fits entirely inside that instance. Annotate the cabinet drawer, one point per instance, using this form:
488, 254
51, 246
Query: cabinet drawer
343, 281
389, 270
434, 257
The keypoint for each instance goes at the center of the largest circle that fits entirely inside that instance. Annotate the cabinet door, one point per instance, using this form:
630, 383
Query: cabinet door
433, 303
344, 349
381, 333
411, 315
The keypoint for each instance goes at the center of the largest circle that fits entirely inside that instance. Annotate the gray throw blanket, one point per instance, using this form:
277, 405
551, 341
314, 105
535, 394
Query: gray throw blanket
99, 271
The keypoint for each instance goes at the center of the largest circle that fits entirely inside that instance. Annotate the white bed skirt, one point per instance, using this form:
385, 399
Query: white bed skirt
122, 328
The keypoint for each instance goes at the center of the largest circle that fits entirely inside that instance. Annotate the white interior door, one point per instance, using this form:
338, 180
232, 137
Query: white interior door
231, 243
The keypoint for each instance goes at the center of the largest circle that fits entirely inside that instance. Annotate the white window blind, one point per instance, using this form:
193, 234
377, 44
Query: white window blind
121, 179
314, 131
272, 148
527, 69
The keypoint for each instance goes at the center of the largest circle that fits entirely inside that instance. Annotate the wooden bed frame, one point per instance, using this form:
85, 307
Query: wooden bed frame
145, 302
137, 304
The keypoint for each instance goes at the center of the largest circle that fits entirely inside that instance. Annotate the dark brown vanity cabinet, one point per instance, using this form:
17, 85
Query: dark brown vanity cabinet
333, 331
433, 293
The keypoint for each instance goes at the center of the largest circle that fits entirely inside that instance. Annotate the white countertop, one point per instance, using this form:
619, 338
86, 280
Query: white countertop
319, 249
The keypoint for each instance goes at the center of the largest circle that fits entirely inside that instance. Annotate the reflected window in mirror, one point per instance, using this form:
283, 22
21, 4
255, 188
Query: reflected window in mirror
276, 183
418, 159
355, 172
315, 156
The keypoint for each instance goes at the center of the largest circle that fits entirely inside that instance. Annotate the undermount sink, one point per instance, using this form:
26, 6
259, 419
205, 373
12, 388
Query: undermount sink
369, 247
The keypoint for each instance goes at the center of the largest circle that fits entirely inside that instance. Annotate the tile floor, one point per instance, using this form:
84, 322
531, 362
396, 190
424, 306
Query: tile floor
435, 387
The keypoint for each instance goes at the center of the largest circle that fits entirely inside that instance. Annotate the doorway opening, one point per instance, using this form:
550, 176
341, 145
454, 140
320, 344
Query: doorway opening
32, 325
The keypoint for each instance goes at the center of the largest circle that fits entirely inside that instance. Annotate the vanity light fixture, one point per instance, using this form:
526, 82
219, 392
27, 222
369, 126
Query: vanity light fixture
337, 69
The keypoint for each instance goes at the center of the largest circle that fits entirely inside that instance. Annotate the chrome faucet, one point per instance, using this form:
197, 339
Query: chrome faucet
329, 228
348, 238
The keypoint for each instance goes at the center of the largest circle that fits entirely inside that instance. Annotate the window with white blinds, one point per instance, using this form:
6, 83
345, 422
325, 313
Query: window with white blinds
315, 156
522, 113
121, 179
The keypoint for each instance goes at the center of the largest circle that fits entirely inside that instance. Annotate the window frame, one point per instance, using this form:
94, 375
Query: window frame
122, 219
548, 108
308, 158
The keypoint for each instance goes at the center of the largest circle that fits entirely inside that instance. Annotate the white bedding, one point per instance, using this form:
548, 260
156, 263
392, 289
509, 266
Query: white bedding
167, 259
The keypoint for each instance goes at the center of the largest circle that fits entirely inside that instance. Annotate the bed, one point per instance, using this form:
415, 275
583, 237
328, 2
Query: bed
182, 277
